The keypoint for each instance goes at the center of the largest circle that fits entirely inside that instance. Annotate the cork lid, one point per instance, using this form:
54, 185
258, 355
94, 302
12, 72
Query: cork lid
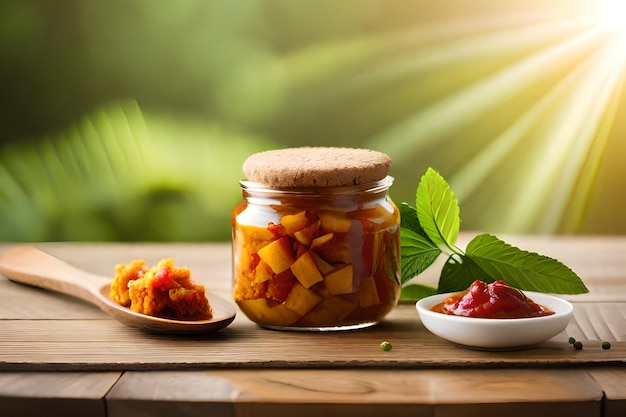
316, 167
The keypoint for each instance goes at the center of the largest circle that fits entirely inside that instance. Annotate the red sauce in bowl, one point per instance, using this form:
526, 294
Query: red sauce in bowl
497, 300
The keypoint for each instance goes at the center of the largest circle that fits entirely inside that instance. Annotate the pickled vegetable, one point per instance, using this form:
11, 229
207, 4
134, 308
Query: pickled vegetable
318, 266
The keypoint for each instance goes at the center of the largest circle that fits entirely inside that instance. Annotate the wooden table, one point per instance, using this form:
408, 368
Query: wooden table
61, 356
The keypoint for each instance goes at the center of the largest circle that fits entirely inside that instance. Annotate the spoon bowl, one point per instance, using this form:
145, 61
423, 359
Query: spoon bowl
30, 266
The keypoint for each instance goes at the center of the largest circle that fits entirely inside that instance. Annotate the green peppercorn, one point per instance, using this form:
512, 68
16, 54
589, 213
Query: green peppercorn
578, 345
571, 340
606, 345
386, 346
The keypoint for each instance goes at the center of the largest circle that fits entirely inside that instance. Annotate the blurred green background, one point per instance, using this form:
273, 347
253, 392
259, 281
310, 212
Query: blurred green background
128, 120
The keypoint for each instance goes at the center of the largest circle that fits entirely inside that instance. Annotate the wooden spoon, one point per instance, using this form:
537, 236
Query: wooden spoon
28, 265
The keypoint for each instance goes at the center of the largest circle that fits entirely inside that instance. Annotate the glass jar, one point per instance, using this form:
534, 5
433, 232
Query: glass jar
319, 258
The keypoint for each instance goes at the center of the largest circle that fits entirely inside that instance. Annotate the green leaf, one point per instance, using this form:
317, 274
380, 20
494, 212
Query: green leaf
426, 231
417, 253
416, 292
437, 209
458, 273
521, 269
409, 220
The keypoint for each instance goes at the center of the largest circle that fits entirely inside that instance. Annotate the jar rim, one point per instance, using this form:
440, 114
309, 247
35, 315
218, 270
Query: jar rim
370, 187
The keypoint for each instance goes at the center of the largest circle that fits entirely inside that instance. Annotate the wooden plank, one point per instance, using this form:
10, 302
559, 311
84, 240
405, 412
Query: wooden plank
613, 383
358, 392
42, 330
55, 394
109, 345
596, 322
48, 332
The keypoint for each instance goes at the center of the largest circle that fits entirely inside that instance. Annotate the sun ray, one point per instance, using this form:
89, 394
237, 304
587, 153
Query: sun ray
358, 65
573, 218
581, 123
429, 126
500, 40
484, 164
611, 16
557, 151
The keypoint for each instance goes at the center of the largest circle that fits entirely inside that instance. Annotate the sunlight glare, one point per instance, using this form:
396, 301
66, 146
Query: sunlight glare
560, 95
612, 17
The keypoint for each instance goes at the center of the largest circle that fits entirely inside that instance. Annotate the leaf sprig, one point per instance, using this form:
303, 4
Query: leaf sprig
431, 228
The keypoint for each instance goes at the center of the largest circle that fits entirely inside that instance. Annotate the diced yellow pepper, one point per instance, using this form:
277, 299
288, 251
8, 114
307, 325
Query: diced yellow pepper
368, 294
305, 270
319, 241
278, 255
334, 222
323, 266
331, 310
301, 300
262, 272
294, 222
259, 311
340, 281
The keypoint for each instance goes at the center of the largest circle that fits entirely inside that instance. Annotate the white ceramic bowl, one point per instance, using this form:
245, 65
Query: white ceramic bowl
497, 333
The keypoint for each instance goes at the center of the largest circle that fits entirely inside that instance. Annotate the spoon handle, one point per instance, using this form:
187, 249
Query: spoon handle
28, 265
